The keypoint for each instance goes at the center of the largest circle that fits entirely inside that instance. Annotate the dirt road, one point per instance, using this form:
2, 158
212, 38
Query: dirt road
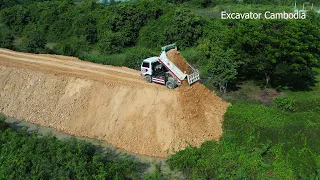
108, 103
68, 65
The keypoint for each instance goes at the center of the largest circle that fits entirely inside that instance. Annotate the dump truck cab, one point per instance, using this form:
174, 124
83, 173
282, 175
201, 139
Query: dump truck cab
154, 71
149, 65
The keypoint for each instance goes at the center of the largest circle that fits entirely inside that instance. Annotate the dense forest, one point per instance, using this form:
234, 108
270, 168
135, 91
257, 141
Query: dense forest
271, 52
276, 139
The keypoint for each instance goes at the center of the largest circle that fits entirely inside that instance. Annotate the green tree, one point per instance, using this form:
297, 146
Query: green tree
222, 68
111, 42
181, 26
218, 38
283, 52
204, 3
34, 41
178, 1
6, 38
7, 3
15, 18
85, 24
314, 18
258, 47
136, 55
128, 18
73, 46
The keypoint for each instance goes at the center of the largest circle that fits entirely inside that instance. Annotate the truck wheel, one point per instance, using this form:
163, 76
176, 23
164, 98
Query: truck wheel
148, 78
170, 85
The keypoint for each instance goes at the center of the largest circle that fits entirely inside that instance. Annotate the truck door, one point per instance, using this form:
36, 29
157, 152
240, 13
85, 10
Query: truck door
145, 69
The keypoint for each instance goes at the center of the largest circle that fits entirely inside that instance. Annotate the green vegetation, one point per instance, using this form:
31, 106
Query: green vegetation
31, 156
269, 139
271, 52
276, 53
261, 142
285, 103
135, 55
168, 29
114, 59
223, 69
6, 37
33, 41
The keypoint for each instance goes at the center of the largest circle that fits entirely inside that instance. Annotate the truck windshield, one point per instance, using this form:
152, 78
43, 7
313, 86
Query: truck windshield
156, 63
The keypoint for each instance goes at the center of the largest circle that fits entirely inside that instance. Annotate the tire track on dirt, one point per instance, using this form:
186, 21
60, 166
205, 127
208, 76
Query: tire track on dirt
74, 62
102, 74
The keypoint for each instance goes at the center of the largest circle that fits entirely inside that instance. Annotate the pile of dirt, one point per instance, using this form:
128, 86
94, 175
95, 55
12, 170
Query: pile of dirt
175, 57
196, 99
201, 108
107, 103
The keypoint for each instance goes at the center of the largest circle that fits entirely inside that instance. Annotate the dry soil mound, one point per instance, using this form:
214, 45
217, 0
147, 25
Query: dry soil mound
175, 57
107, 103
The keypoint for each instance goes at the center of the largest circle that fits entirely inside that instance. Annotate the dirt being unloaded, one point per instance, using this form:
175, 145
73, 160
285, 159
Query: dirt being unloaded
108, 103
196, 99
175, 57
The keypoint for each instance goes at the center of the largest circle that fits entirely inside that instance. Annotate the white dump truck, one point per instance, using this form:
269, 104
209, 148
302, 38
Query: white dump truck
162, 71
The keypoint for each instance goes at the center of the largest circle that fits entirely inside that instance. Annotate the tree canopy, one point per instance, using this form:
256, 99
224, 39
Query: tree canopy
278, 53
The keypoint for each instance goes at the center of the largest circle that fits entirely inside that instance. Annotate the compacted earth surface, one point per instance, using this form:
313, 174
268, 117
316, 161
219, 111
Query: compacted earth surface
113, 104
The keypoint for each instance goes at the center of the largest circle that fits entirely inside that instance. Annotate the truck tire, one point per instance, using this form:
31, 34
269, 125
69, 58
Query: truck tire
170, 85
148, 78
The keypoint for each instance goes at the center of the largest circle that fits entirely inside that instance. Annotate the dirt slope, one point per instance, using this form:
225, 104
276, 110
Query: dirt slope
108, 103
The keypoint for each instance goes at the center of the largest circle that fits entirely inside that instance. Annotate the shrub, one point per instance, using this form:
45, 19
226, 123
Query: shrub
3, 124
285, 103
258, 142
114, 59
73, 46
136, 55
111, 43
168, 29
178, 1
6, 38
309, 105
204, 3
32, 156
34, 40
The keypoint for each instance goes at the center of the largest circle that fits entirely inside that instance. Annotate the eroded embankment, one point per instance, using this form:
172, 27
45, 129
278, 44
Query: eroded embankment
131, 115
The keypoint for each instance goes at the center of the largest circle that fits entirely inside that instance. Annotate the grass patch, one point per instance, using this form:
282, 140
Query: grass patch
113, 59
308, 101
260, 142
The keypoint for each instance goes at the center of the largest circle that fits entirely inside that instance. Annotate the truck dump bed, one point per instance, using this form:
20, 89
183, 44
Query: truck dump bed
192, 77
171, 67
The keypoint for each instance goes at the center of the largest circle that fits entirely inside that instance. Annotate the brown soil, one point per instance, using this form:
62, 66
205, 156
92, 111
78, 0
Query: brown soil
108, 103
175, 57
267, 95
